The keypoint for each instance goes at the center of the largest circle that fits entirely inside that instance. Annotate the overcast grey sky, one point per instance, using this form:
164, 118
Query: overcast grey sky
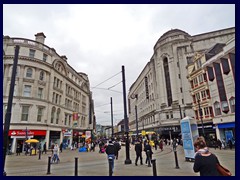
99, 39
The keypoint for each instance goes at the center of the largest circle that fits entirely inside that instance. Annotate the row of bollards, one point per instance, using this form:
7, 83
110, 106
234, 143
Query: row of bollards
110, 161
49, 166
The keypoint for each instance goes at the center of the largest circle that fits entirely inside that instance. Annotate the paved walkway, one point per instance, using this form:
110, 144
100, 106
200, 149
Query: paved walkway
96, 164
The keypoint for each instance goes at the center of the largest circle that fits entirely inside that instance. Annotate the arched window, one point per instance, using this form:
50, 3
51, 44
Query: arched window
167, 81
29, 72
53, 114
58, 114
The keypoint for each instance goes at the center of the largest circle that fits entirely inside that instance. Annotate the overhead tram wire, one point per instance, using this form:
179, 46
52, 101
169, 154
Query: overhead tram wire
106, 80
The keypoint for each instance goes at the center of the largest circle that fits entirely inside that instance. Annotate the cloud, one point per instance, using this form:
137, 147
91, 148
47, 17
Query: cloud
99, 38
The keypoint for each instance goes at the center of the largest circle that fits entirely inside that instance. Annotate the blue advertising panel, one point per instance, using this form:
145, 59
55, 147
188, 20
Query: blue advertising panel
189, 131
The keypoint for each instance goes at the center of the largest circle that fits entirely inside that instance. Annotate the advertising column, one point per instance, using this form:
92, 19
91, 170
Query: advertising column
189, 132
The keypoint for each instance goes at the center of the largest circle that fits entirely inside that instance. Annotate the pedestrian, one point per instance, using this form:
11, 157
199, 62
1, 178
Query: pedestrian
148, 151
110, 150
138, 150
205, 162
18, 149
60, 147
219, 144
40, 147
155, 144
230, 144
117, 147
55, 157
44, 148
161, 145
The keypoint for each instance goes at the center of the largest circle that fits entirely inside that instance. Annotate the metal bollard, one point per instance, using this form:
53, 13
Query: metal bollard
154, 167
148, 156
76, 166
49, 165
176, 159
110, 160
39, 157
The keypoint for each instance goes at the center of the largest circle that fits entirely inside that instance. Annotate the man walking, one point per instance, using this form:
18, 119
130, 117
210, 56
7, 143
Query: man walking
138, 149
44, 148
110, 150
117, 147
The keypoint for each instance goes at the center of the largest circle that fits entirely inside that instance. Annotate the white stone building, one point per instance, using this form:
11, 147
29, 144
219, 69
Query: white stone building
170, 87
52, 101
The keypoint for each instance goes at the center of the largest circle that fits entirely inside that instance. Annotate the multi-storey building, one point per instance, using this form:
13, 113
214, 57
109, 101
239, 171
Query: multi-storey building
173, 52
52, 102
220, 70
200, 91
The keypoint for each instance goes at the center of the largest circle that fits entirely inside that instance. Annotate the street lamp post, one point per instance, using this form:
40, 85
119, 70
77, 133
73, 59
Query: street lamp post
200, 114
128, 160
135, 96
112, 117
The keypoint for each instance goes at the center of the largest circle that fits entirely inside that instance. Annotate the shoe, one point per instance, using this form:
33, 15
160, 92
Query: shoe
141, 163
136, 164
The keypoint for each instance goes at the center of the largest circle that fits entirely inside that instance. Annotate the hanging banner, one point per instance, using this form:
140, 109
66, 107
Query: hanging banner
88, 136
75, 119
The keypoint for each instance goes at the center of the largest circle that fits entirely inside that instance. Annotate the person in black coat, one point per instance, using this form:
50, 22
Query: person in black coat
148, 150
138, 149
205, 162
110, 151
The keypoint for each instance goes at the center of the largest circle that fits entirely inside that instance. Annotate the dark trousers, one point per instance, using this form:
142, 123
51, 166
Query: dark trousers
148, 158
139, 156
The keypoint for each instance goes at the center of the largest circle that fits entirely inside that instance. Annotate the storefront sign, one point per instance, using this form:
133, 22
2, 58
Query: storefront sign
29, 132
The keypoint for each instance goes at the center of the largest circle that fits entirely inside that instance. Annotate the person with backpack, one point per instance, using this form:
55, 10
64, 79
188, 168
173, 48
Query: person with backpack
117, 148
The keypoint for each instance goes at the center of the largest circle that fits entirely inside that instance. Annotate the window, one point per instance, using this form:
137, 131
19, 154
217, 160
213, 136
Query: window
197, 96
179, 76
217, 108
40, 93
225, 65
41, 76
200, 78
45, 57
210, 73
199, 63
40, 114
25, 112
29, 73
225, 107
203, 94
27, 91
195, 81
31, 53
58, 114
206, 111
65, 121
232, 104
53, 114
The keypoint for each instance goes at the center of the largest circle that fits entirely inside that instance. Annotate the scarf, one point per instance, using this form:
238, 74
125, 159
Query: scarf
202, 151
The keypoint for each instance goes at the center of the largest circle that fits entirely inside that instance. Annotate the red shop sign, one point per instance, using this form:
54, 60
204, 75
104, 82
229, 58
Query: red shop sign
29, 132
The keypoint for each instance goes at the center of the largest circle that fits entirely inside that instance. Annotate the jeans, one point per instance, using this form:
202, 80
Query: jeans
112, 156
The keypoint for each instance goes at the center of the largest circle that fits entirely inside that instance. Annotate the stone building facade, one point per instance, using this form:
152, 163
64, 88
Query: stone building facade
171, 97
52, 102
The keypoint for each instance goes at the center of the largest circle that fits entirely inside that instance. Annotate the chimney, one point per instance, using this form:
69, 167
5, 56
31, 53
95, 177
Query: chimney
40, 37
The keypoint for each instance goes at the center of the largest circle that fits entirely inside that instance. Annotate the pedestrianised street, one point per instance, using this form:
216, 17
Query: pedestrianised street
96, 164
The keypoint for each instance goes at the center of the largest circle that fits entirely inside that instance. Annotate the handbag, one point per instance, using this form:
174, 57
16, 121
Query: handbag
222, 170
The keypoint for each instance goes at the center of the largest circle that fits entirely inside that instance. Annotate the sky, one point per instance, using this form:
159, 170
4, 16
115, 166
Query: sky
98, 39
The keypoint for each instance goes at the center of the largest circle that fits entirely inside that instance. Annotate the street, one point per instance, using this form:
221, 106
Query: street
96, 164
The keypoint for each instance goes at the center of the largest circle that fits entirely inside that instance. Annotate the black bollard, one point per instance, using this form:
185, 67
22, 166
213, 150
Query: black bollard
176, 159
76, 166
110, 160
39, 157
49, 165
148, 157
154, 167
